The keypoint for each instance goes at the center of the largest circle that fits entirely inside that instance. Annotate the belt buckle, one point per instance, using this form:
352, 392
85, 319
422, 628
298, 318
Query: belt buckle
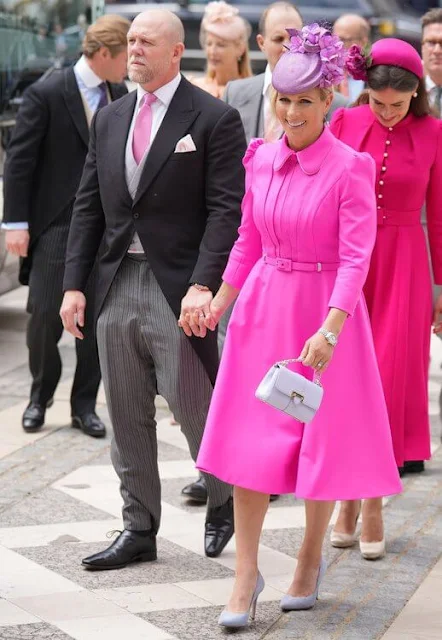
283, 264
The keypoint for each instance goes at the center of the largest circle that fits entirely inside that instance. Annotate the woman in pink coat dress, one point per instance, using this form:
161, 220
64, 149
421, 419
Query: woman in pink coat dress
299, 265
394, 127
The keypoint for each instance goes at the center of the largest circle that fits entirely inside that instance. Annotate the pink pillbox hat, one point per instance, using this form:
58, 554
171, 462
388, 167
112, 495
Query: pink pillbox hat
391, 51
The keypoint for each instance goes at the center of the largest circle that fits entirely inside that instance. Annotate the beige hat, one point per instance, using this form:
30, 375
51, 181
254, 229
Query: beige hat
224, 21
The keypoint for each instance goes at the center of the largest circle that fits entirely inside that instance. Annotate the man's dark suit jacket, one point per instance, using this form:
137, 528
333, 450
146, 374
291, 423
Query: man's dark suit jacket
187, 208
46, 155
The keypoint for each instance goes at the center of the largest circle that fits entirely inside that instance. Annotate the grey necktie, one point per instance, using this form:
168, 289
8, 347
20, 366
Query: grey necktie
437, 100
103, 95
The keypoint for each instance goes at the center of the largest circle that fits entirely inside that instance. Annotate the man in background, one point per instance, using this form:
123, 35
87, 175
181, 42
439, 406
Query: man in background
352, 29
43, 168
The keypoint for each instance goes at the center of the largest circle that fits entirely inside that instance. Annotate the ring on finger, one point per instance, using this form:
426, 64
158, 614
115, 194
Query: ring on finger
320, 364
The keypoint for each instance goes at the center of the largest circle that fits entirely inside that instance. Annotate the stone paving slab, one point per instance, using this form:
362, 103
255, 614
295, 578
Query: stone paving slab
359, 599
40, 631
174, 564
50, 520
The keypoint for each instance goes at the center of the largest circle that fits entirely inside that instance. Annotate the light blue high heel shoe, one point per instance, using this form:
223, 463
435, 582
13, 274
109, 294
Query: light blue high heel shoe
290, 603
238, 620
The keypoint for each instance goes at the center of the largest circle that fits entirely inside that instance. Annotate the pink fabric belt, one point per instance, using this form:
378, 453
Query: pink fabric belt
285, 264
393, 218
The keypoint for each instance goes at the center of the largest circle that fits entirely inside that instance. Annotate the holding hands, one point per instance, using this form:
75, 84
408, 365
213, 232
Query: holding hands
195, 308
201, 311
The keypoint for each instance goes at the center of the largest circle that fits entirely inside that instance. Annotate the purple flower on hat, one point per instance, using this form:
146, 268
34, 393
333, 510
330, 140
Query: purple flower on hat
357, 63
313, 39
312, 34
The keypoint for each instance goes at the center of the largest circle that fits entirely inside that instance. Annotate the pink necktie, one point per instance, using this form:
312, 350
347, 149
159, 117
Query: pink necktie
143, 127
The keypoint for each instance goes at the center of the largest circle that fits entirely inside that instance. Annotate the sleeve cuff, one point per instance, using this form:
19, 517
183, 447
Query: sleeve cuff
15, 226
236, 272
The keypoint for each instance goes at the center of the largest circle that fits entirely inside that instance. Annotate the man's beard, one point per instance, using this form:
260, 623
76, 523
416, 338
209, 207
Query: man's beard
142, 75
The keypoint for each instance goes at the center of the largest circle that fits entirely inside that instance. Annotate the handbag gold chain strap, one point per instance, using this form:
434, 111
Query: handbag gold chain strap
284, 363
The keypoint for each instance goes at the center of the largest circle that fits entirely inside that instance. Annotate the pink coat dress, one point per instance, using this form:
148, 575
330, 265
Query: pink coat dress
398, 288
315, 206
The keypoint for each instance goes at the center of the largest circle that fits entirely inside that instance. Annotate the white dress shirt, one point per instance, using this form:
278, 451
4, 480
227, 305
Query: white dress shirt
273, 130
87, 82
159, 108
267, 92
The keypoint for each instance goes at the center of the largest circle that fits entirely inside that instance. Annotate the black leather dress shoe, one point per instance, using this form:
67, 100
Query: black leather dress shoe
412, 466
219, 528
33, 418
196, 491
90, 424
130, 546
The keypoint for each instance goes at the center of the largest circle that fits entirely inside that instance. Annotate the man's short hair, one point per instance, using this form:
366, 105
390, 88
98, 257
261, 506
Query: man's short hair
107, 31
281, 4
434, 16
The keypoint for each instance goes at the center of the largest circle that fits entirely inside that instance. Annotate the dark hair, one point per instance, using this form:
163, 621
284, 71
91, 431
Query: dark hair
386, 76
434, 16
282, 4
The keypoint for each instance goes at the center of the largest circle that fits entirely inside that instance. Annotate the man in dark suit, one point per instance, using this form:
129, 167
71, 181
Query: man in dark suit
43, 168
163, 182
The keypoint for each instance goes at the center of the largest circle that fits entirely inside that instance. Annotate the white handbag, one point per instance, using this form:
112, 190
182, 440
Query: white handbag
290, 392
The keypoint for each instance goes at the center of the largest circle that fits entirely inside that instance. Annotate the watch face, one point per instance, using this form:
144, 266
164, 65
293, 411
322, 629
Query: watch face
332, 339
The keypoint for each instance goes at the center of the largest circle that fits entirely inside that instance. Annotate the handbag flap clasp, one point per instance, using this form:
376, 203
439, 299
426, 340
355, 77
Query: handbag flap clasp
298, 388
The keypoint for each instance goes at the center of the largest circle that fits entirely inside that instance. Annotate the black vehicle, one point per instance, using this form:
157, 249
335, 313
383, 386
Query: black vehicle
394, 18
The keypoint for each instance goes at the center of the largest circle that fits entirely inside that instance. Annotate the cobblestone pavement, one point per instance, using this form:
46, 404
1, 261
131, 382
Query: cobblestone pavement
59, 498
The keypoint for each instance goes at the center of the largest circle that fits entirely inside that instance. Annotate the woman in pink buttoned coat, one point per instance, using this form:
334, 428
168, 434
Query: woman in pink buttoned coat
299, 265
406, 143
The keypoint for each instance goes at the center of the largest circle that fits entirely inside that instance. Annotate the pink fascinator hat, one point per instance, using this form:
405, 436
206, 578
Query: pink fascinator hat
224, 21
390, 51
315, 58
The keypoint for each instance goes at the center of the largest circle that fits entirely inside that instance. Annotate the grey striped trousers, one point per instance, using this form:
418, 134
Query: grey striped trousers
143, 352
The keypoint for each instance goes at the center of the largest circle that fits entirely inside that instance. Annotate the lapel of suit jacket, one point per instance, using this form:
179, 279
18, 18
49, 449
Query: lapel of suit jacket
257, 105
116, 91
120, 121
180, 115
74, 105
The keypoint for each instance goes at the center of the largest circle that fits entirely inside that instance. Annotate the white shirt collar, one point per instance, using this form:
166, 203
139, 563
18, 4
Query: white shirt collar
429, 83
267, 80
89, 77
164, 93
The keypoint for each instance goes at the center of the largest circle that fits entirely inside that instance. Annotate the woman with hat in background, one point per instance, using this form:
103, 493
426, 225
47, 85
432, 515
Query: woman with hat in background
224, 36
392, 124
299, 265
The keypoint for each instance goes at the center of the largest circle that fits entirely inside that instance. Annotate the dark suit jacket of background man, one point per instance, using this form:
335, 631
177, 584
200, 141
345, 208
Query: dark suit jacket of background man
44, 164
186, 210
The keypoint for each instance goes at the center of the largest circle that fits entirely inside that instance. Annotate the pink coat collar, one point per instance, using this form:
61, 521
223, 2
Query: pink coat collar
311, 158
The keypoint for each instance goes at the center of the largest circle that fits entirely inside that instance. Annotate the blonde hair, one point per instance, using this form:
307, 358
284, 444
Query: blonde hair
107, 31
221, 15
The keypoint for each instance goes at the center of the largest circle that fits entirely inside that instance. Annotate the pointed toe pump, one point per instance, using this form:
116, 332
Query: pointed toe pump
232, 620
292, 603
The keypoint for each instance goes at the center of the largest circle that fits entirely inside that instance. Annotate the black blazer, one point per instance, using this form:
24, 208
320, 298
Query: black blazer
46, 155
187, 208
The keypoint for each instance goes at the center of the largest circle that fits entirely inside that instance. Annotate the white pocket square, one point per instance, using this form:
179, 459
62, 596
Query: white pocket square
185, 145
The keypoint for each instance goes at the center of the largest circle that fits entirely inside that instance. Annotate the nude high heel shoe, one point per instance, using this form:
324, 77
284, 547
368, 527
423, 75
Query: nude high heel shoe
292, 603
239, 620
344, 540
372, 550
